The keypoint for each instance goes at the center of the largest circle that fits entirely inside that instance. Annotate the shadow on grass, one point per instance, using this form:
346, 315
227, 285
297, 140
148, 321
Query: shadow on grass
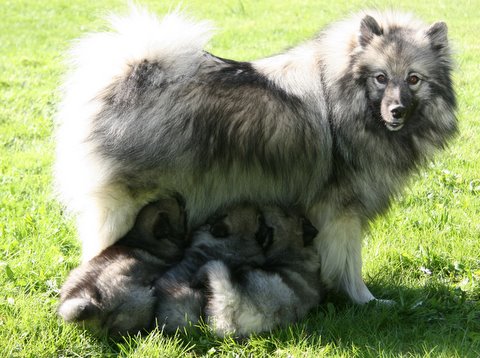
434, 320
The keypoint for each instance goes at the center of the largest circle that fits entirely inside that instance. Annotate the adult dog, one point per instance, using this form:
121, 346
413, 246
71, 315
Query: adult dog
334, 126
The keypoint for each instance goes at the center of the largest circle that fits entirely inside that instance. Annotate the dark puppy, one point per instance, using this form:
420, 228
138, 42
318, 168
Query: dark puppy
116, 289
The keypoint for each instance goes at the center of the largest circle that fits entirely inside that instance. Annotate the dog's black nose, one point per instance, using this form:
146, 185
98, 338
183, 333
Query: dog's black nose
397, 111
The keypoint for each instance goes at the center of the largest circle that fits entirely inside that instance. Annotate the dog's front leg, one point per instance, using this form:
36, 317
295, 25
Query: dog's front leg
339, 245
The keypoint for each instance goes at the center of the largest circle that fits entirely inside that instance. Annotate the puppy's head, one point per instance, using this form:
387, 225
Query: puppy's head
160, 229
114, 292
288, 227
243, 220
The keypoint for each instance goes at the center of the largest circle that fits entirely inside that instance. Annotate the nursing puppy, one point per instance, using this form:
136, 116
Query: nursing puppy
244, 272
244, 299
334, 126
116, 289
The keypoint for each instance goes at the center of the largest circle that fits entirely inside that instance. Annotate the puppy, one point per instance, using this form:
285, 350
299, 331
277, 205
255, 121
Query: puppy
116, 289
248, 298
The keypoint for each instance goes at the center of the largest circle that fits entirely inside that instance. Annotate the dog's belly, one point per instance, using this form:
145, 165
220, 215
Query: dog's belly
207, 191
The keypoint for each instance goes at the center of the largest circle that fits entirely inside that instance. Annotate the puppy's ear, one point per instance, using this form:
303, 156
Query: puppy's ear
219, 229
150, 222
77, 310
369, 28
309, 231
264, 235
217, 226
163, 219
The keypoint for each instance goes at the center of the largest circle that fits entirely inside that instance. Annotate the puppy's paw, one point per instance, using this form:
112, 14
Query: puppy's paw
77, 309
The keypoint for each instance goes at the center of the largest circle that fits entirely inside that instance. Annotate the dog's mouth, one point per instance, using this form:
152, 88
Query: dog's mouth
394, 119
394, 126
394, 115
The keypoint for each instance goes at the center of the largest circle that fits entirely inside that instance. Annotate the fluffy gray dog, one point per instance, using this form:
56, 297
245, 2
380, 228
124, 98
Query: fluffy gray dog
247, 271
334, 126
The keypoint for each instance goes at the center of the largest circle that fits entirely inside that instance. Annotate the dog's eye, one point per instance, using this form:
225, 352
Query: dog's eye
381, 79
413, 80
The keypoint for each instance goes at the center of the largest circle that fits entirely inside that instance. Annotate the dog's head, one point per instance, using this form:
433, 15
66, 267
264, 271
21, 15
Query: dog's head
404, 65
242, 219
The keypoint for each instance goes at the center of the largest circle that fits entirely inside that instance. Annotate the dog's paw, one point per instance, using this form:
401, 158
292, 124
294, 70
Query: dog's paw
383, 302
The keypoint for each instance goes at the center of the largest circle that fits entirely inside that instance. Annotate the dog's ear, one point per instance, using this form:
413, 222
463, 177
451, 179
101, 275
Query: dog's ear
217, 226
437, 34
219, 229
265, 234
161, 220
369, 28
150, 221
309, 231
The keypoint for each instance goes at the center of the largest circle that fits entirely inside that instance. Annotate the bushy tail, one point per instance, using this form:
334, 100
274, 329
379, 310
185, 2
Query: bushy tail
97, 61
99, 58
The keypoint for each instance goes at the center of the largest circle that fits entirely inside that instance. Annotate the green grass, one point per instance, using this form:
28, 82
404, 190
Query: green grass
425, 254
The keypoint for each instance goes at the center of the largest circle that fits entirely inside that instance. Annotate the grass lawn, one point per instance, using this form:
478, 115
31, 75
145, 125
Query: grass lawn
425, 254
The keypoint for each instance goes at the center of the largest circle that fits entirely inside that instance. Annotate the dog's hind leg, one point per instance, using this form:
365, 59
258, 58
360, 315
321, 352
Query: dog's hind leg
339, 245
105, 218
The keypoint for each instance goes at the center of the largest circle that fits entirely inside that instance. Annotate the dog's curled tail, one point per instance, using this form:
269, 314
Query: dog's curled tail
143, 36
101, 57
99, 60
